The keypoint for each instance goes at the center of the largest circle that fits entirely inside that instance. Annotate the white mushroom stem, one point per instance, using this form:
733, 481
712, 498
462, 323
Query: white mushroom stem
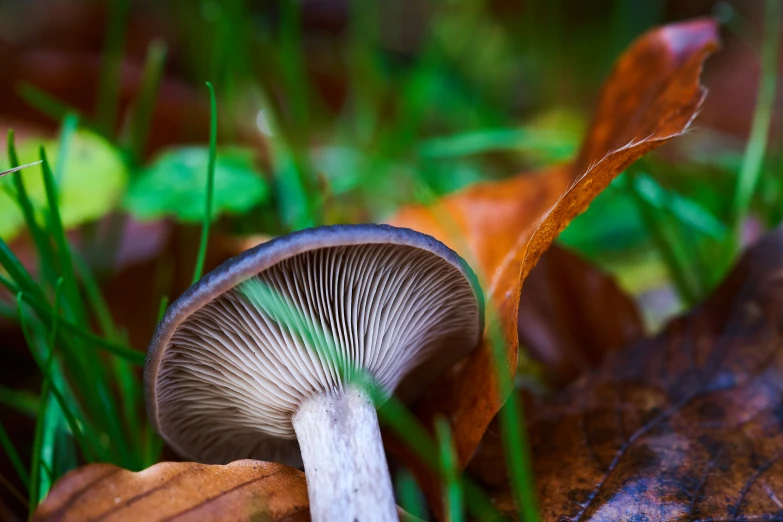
345, 466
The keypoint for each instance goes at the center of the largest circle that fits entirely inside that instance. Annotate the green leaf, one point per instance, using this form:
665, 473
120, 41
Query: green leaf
174, 185
92, 181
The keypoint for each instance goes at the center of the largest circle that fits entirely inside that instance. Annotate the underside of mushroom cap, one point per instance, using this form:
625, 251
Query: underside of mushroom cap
235, 355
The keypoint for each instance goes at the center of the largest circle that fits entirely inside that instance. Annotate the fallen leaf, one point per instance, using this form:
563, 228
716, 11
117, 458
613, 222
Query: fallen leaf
502, 228
241, 491
571, 314
685, 426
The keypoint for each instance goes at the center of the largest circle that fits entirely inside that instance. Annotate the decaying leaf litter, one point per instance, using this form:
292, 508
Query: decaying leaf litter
560, 332
484, 222
682, 426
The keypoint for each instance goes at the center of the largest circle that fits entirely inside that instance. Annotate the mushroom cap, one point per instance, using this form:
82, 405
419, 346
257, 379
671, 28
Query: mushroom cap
234, 357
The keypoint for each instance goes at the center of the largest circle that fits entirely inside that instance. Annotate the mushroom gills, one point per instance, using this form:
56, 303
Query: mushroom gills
239, 367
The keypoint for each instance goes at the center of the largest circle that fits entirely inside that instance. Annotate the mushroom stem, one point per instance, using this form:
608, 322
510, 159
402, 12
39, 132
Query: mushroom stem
345, 466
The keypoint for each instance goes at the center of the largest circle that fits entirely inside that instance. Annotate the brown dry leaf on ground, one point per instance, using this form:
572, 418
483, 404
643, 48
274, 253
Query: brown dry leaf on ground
571, 314
502, 228
686, 426
241, 491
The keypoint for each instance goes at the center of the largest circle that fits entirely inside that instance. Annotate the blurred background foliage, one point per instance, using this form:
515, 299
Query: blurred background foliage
332, 111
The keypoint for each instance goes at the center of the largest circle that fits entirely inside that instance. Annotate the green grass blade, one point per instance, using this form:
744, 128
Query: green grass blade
129, 390
52, 420
409, 496
202, 251
152, 447
13, 157
44, 102
70, 124
366, 79
558, 145
655, 222
515, 443
291, 63
685, 210
63, 253
407, 427
111, 66
39, 485
755, 149
164, 303
145, 102
512, 426
17, 271
298, 204
297, 207
450, 472
52, 413
13, 456
43, 247
23, 401
56, 316
35, 464
89, 447
98, 305
128, 354
87, 374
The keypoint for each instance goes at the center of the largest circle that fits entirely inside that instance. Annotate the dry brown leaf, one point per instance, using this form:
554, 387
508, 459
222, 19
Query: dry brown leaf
571, 314
686, 426
244, 490
502, 228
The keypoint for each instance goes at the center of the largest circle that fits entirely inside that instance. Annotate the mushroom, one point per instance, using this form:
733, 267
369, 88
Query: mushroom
268, 356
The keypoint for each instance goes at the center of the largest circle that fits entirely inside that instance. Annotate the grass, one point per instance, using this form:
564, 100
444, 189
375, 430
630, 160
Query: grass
755, 150
210, 189
78, 383
449, 469
110, 78
414, 125
141, 115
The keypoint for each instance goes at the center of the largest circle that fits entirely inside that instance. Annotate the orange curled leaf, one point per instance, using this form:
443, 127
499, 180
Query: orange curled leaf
502, 228
244, 490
